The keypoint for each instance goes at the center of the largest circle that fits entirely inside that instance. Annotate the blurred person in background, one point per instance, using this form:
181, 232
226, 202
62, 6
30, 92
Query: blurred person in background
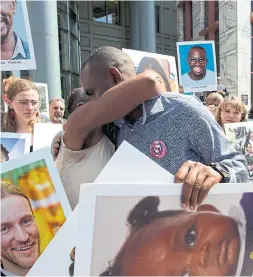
23, 100
213, 101
231, 110
56, 110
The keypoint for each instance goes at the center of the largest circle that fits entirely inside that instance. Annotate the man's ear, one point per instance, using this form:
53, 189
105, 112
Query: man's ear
207, 208
206, 61
14, 6
115, 75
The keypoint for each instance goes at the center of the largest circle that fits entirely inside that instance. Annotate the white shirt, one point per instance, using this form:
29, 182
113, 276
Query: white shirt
78, 167
208, 80
19, 49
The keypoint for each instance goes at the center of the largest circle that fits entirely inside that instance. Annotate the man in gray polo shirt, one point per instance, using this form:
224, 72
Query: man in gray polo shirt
177, 132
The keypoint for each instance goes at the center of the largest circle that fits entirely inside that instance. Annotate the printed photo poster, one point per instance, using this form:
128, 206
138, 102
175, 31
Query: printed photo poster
242, 135
14, 145
43, 92
141, 230
34, 206
17, 52
164, 65
44, 134
197, 66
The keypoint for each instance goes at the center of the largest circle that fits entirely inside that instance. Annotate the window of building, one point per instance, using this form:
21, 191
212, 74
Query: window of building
106, 11
157, 19
69, 45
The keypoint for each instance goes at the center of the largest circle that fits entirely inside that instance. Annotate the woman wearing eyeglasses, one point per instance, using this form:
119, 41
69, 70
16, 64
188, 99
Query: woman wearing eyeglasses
23, 100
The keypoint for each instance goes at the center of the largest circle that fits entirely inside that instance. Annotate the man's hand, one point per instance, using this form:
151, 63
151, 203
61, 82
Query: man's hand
197, 180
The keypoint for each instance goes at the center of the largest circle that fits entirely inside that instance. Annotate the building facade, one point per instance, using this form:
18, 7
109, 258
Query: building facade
65, 32
229, 24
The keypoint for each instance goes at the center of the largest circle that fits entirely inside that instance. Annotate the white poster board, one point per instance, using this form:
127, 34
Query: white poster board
164, 65
44, 134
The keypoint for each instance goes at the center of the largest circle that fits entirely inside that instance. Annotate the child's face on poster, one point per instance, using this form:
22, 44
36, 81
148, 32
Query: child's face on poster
188, 244
20, 239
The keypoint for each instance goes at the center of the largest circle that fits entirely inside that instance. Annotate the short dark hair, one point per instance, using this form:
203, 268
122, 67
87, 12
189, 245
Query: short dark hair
76, 96
107, 56
196, 47
5, 152
150, 62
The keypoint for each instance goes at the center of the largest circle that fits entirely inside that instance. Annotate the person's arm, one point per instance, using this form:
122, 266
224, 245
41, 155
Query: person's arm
112, 105
208, 140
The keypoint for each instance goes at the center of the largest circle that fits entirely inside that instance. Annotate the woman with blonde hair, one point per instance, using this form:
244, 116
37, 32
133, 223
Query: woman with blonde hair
231, 110
23, 100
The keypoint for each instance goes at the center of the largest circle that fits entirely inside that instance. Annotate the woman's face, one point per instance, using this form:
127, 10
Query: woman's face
26, 105
188, 244
230, 115
162, 84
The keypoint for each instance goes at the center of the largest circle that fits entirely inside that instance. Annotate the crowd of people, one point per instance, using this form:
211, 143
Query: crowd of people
113, 104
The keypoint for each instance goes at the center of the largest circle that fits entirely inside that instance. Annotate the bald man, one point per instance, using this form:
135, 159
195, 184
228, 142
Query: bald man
198, 75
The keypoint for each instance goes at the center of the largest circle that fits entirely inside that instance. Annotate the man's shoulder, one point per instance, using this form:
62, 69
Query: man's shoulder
210, 73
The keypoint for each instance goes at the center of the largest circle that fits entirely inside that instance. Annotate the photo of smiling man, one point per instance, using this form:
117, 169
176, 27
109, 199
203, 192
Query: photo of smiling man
197, 66
17, 51
20, 238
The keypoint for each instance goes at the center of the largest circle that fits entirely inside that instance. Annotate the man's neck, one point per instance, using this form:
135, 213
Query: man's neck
14, 269
197, 78
134, 115
8, 45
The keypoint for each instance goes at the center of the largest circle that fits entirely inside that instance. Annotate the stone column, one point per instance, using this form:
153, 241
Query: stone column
147, 31
180, 24
134, 25
44, 29
235, 46
198, 19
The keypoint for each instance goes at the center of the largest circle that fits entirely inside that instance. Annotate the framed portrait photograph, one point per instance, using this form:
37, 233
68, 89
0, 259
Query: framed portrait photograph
197, 66
14, 145
43, 92
34, 207
242, 135
163, 65
141, 230
17, 52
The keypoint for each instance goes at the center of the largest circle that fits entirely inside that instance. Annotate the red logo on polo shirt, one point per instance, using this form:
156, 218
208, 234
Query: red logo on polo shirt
158, 149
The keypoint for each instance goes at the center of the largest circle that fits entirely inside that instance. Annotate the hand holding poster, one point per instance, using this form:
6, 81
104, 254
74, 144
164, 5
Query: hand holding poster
17, 51
164, 66
33, 208
197, 66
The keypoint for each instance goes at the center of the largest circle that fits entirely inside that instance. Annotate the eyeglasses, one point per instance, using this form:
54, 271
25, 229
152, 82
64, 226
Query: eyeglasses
195, 60
25, 103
